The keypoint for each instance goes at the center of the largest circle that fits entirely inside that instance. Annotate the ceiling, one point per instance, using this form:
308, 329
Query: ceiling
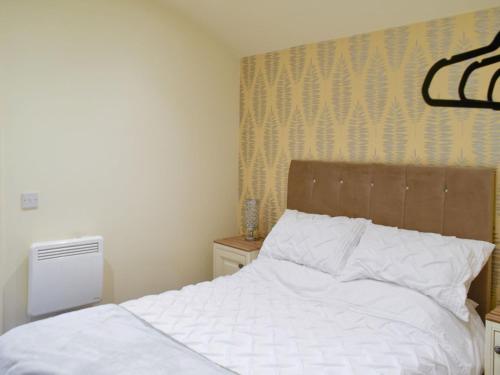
256, 26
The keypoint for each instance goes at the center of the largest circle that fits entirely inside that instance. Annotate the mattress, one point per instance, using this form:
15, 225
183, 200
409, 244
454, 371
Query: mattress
277, 317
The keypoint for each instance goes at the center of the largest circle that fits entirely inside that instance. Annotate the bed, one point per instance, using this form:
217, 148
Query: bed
278, 317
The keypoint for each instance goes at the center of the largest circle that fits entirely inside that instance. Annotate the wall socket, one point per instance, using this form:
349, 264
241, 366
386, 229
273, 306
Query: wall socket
29, 201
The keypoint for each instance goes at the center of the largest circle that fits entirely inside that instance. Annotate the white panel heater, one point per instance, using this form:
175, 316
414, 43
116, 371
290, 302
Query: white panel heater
65, 274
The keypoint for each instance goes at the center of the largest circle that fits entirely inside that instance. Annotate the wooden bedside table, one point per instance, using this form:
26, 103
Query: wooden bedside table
233, 253
492, 343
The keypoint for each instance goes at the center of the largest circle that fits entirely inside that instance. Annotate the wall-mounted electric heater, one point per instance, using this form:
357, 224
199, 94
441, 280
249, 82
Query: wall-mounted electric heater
65, 274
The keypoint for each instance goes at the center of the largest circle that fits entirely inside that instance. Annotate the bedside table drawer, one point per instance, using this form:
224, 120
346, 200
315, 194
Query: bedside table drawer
492, 358
496, 356
227, 262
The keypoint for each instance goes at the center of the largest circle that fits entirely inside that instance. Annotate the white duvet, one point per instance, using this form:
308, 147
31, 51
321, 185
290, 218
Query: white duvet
102, 340
276, 317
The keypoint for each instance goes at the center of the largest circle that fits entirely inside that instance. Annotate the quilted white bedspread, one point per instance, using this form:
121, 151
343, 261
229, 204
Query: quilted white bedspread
276, 317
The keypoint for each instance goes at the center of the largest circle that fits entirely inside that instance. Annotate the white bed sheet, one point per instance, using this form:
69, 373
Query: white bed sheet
276, 317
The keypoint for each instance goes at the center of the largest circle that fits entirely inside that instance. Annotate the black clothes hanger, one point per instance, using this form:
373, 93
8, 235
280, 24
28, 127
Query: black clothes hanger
493, 82
494, 45
467, 72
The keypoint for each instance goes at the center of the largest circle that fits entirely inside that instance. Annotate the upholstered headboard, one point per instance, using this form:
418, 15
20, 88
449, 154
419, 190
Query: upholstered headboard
448, 200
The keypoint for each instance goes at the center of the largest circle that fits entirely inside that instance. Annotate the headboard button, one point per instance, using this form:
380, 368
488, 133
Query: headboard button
341, 181
445, 189
407, 188
372, 184
314, 180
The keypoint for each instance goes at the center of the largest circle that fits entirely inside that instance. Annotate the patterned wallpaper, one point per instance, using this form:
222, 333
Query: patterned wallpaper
359, 99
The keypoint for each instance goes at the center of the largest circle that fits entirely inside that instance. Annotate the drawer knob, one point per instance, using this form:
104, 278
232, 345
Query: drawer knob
497, 349
241, 266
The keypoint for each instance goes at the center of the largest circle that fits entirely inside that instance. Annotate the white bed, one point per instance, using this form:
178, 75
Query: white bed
277, 317
272, 317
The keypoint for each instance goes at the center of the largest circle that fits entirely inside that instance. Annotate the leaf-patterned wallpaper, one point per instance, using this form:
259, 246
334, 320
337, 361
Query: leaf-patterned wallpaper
359, 99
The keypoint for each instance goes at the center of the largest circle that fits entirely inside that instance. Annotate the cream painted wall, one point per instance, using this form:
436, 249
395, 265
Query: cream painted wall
124, 117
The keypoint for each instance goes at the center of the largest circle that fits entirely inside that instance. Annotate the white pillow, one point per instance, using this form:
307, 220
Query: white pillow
317, 241
440, 267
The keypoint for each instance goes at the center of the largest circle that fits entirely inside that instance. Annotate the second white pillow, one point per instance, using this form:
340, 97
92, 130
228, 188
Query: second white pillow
317, 241
441, 267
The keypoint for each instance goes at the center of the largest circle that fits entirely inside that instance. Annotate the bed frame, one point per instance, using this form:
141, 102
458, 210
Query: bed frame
452, 201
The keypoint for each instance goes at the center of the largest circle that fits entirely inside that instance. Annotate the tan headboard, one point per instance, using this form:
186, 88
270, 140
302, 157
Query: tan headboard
448, 200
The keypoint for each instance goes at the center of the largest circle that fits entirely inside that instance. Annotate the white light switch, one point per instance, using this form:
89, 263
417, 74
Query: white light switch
29, 201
